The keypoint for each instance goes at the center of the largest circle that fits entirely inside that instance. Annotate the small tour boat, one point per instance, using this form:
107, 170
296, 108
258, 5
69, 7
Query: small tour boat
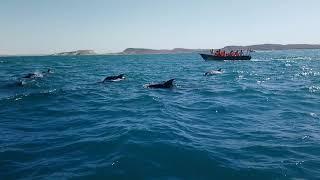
209, 57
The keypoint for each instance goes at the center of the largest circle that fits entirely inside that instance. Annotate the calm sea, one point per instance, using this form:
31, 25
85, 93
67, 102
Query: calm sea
260, 119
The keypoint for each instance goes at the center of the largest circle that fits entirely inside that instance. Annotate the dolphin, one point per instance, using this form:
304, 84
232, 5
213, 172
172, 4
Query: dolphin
21, 83
33, 75
47, 72
37, 74
164, 85
213, 72
30, 76
114, 78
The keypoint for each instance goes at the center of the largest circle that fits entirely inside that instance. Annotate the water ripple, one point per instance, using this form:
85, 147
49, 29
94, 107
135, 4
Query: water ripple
257, 120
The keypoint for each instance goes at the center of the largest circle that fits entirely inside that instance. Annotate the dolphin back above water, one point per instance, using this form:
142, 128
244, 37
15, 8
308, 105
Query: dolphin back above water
165, 85
114, 78
213, 72
33, 75
37, 74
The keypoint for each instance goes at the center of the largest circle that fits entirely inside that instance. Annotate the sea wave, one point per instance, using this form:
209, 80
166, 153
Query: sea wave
257, 120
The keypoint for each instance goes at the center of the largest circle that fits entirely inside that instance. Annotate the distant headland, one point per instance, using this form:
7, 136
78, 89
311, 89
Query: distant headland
133, 51
141, 51
76, 53
260, 47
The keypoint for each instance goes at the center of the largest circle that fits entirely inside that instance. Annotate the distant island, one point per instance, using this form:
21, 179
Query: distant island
131, 51
76, 53
141, 51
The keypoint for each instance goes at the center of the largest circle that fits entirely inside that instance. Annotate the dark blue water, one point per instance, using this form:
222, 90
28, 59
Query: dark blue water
260, 119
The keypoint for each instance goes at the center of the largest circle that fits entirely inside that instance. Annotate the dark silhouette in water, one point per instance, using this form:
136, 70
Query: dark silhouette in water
165, 85
25, 79
35, 74
19, 83
47, 72
209, 73
114, 78
30, 76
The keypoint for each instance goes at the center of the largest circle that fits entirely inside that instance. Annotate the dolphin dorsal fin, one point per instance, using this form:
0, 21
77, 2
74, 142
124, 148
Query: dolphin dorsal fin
170, 82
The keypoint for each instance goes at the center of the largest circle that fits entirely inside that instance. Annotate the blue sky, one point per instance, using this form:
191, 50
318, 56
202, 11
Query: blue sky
48, 26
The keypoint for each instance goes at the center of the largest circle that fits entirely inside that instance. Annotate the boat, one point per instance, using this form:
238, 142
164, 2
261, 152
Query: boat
209, 57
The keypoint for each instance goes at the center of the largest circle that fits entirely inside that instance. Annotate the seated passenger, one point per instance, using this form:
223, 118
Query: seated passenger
218, 53
241, 53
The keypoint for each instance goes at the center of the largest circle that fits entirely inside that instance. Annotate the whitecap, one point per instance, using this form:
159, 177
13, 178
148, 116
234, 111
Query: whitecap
305, 137
314, 89
313, 115
17, 99
48, 91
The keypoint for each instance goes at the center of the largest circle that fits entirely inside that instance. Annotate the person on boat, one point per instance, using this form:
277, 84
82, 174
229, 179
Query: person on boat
231, 53
217, 53
223, 53
237, 53
241, 53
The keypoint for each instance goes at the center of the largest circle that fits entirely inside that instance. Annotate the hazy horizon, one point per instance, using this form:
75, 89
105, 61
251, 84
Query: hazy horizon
45, 27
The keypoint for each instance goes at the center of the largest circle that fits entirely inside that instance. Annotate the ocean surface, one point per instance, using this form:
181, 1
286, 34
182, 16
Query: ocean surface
260, 119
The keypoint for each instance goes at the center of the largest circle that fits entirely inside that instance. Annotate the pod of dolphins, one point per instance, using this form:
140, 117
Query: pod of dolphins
163, 85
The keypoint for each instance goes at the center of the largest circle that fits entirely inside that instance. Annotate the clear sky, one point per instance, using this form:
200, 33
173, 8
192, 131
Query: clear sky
48, 26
